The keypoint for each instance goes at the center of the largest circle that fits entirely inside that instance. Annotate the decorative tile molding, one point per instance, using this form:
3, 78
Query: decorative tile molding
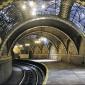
65, 6
5, 3
82, 2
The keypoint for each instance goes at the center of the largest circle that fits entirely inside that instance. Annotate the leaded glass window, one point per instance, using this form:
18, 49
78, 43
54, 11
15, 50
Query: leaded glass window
77, 16
9, 16
48, 7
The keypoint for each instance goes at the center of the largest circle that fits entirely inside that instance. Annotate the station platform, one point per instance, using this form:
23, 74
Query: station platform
64, 74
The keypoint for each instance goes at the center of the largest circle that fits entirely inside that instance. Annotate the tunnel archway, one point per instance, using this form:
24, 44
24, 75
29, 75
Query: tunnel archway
47, 32
45, 21
54, 40
67, 41
65, 31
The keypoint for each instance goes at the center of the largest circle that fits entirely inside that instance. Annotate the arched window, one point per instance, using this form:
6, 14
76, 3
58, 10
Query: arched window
77, 16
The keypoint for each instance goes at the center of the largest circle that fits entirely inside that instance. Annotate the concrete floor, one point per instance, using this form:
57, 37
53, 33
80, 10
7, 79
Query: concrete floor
65, 74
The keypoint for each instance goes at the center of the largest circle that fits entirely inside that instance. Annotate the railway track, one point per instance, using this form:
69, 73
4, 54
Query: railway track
32, 73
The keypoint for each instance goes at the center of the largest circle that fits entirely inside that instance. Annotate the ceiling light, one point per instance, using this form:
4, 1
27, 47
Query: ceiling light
43, 39
20, 46
16, 49
43, 6
0, 40
31, 3
34, 13
37, 41
27, 44
24, 7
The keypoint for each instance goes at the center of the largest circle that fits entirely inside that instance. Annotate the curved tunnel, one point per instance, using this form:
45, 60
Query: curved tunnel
51, 30
58, 31
63, 36
57, 23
